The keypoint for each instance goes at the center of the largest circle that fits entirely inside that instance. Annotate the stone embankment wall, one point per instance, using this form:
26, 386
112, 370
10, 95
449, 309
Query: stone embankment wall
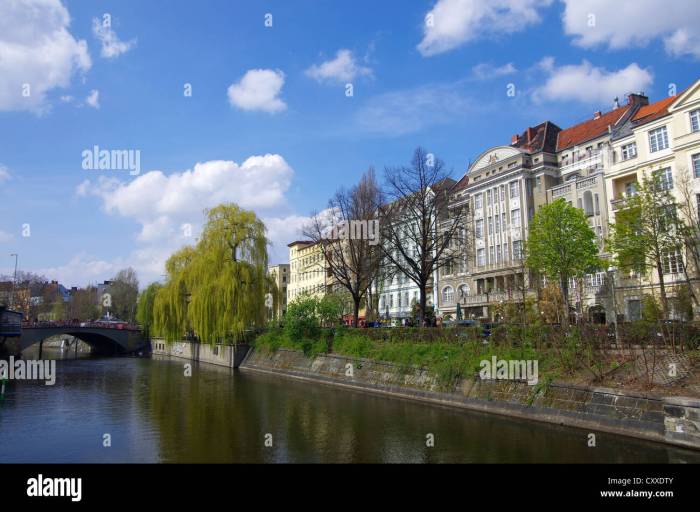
674, 420
222, 355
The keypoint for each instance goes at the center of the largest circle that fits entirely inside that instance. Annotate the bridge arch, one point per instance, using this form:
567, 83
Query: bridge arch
102, 340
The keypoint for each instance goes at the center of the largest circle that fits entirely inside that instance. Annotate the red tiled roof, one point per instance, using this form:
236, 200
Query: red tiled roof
649, 113
590, 129
461, 183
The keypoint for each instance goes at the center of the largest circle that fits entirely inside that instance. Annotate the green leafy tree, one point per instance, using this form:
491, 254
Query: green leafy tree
646, 231
561, 245
124, 292
145, 306
301, 321
218, 288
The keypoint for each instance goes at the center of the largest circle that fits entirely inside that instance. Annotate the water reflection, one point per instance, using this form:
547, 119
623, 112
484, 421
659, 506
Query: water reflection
153, 412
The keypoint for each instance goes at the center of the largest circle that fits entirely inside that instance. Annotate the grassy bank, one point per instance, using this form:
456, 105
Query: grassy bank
578, 355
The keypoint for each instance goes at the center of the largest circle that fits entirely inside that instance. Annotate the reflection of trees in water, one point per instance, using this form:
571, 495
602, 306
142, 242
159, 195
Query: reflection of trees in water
215, 416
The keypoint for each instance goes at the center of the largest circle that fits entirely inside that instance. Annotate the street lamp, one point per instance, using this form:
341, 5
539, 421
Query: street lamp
14, 282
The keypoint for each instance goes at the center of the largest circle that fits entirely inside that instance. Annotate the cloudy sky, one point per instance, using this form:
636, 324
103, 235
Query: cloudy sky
276, 104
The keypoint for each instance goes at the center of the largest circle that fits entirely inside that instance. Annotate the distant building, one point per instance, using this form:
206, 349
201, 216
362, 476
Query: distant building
307, 270
280, 274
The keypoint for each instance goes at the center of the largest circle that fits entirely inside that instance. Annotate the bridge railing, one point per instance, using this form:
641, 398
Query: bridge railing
122, 326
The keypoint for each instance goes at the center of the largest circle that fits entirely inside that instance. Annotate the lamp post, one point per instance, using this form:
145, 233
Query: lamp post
14, 282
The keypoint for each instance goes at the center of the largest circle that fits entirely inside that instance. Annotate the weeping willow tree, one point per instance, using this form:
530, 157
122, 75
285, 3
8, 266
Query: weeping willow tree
216, 289
144, 308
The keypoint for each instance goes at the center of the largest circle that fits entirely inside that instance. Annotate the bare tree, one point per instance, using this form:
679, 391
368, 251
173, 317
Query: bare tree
420, 234
348, 235
689, 230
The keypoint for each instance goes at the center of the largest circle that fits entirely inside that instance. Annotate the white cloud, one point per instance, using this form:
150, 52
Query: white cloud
37, 53
163, 204
343, 68
411, 110
630, 23
4, 174
112, 46
451, 23
93, 99
5, 236
83, 269
589, 84
487, 71
259, 89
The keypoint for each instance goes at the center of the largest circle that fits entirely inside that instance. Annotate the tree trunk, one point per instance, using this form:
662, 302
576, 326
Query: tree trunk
355, 311
421, 309
662, 287
564, 285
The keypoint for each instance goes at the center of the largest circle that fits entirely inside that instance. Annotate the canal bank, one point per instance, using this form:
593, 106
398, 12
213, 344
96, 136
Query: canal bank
671, 420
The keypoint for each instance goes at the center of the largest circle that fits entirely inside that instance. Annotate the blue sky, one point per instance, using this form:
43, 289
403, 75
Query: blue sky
268, 120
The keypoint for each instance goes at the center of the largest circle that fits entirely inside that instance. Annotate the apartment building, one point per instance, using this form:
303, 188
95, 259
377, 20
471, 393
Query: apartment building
307, 270
453, 277
506, 184
662, 139
396, 291
280, 274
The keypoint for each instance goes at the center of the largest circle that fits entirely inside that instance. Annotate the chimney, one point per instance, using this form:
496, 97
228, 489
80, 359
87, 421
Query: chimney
530, 133
514, 140
637, 99
616, 103
597, 114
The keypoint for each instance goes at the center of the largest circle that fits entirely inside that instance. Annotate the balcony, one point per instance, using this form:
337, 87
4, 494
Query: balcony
594, 159
619, 203
492, 298
500, 265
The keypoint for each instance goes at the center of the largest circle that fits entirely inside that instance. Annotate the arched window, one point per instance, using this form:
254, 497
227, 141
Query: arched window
448, 294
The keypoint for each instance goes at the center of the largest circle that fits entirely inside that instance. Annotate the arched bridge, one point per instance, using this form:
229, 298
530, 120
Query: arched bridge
103, 337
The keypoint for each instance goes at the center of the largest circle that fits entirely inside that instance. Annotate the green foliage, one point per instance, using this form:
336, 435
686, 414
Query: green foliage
330, 309
561, 244
144, 307
651, 310
301, 320
216, 289
124, 292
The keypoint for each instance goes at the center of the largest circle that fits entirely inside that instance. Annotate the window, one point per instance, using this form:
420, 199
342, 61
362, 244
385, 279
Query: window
695, 120
665, 178
597, 204
490, 226
448, 294
517, 250
697, 199
672, 262
658, 139
515, 218
498, 253
538, 181
498, 224
480, 257
478, 200
588, 203
479, 228
514, 189
630, 189
629, 151
463, 291
503, 192
398, 297
391, 300
505, 252
488, 198
492, 255
696, 165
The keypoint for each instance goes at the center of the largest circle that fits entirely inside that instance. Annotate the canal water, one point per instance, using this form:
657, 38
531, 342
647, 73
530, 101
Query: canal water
152, 412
